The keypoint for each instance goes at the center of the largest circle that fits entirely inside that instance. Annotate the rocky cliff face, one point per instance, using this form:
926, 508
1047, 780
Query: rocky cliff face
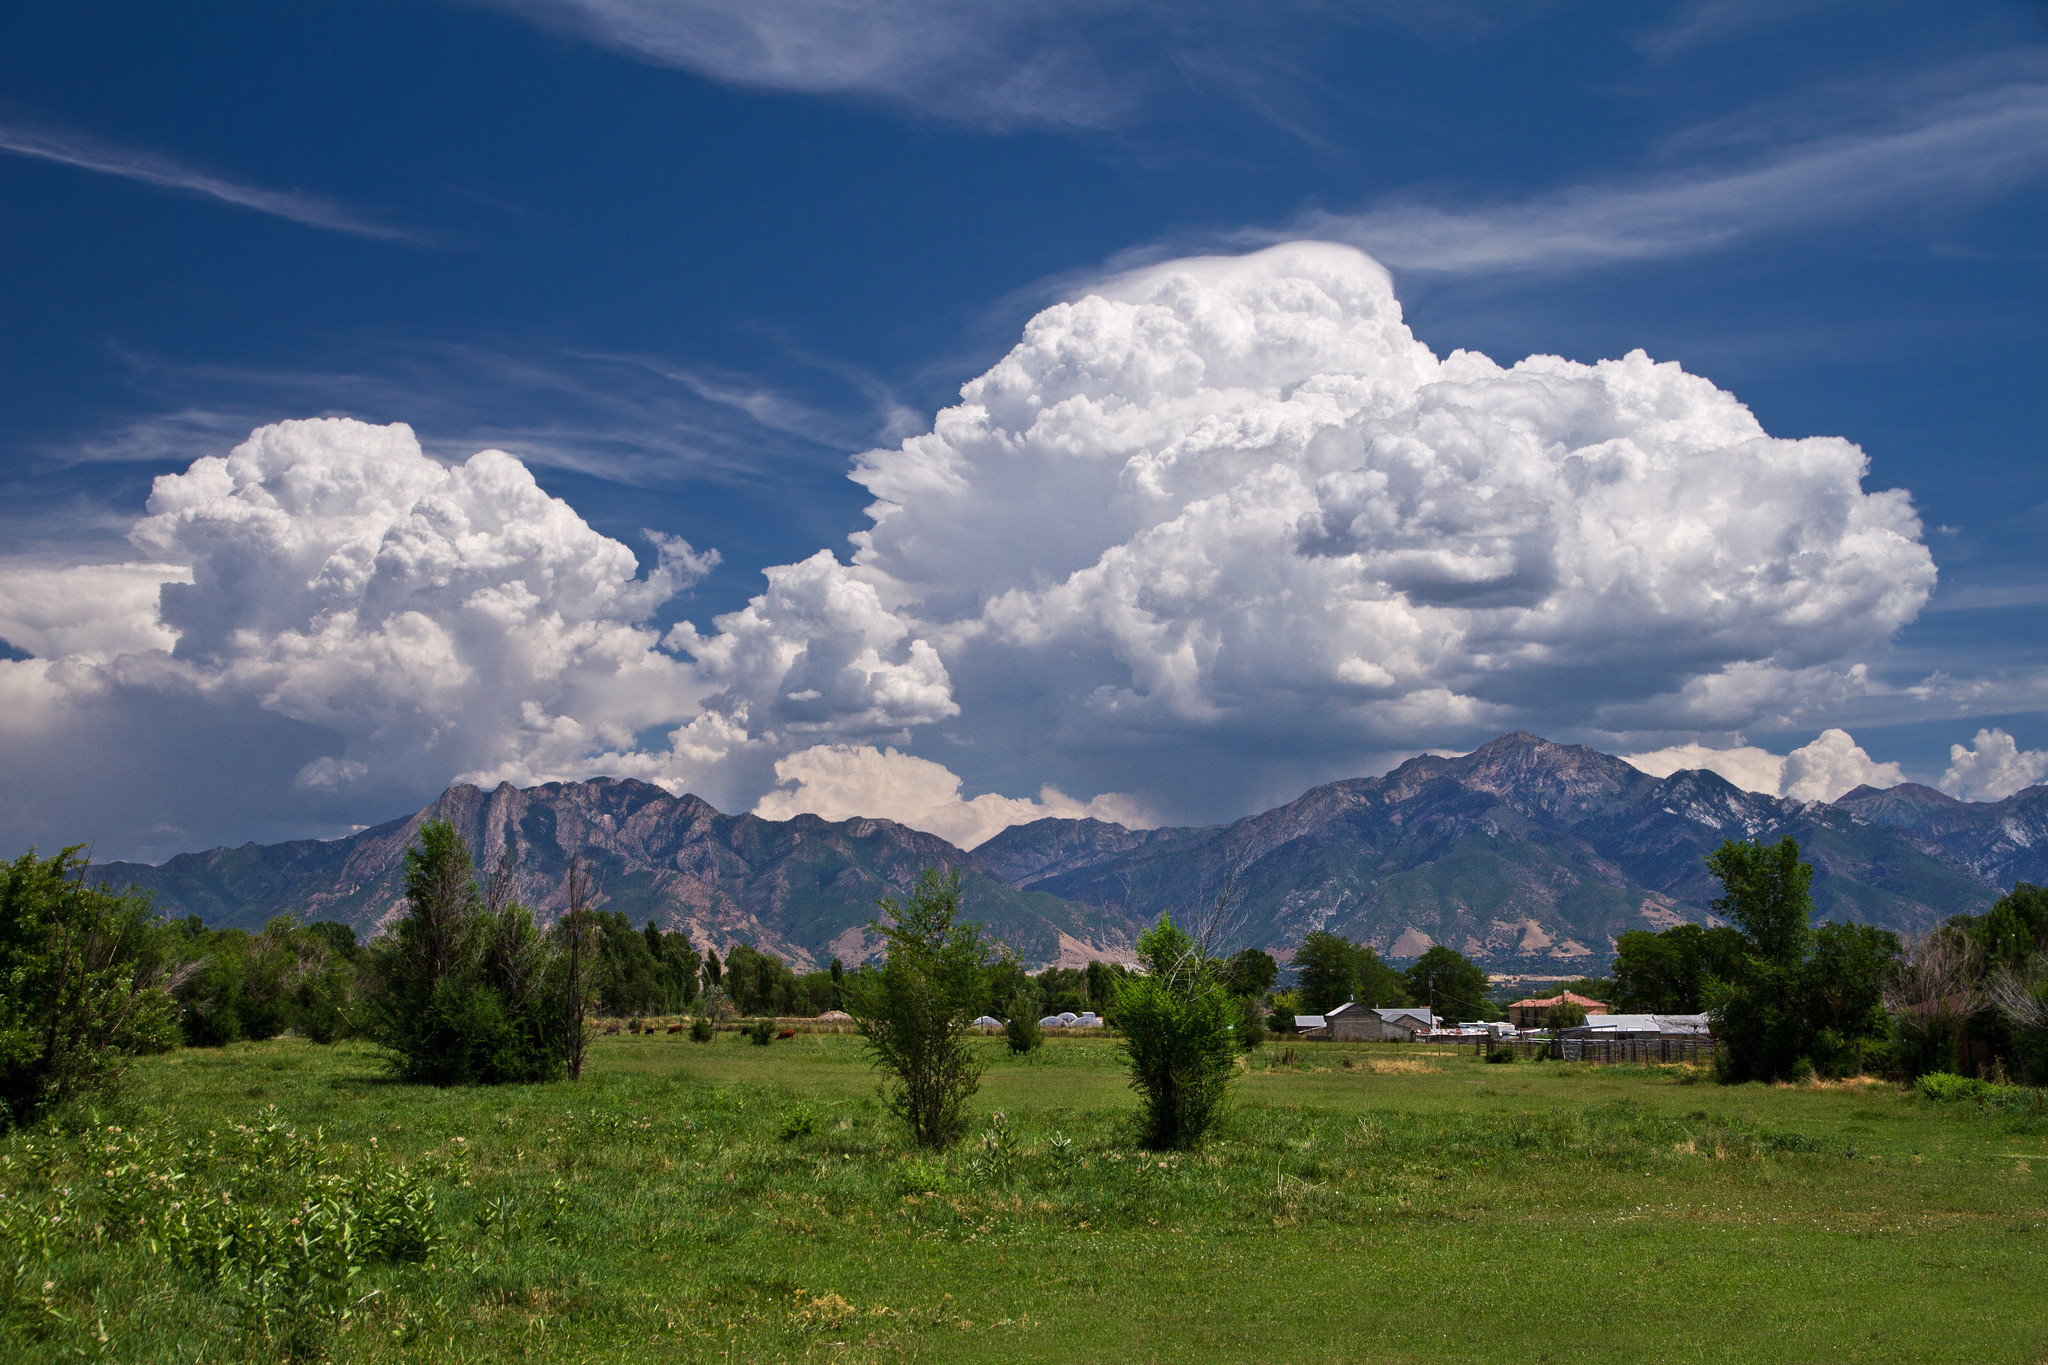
1521, 850
799, 888
1524, 854
2000, 841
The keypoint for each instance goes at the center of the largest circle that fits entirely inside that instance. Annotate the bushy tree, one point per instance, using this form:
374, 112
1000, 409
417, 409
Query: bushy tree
1102, 979
1021, 1028
1250, 973
761, 983
916, 1009
1331, 970
461, 993
80, 985
1799, 997
1326, 969
1767, 896
1285, 1005
1251, 1022
1842, 986
232, 985
629, 974
1179, 1022
1563, 1015
817, 993
1678, 971
1450, 983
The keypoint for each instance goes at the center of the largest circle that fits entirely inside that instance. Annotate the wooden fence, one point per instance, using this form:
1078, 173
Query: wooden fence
1605, 1050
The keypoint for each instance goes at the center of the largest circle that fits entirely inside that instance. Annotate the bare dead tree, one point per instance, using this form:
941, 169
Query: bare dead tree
1937, 988
503, 886
2021, 996
1222, 923
578, 947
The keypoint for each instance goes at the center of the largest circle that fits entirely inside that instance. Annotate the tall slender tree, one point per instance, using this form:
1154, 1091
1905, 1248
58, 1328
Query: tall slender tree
577, 979
916, 1008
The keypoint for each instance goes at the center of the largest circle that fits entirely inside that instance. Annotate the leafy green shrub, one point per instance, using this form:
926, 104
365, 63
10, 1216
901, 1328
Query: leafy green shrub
1251, 1025
1021, 1029
996, 1163
1177, 1020
1946, 1088
461, 985
79, 994
1500, 1054
761, 1032
700, 1030
799, 1122
921, 1176
915, 1009
466, 1037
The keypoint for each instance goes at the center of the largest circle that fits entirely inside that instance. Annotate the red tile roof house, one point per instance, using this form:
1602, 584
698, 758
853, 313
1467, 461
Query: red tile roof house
1536, 1013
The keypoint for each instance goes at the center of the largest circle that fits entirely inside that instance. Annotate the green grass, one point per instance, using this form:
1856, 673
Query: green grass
1404, 1208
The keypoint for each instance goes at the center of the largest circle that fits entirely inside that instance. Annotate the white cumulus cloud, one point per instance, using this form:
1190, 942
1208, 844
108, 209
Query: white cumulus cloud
1824, 770
1992, 768
841, 781
1833, 765
1745, 765
1212, 531
1232, 502
89, 612
422, 623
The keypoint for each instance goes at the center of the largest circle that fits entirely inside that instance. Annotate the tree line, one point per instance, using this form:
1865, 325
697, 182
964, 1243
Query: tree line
467, 987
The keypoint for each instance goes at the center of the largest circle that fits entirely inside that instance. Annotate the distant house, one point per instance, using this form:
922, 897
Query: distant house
1536, 1013
1354, 1022
1307, 1023
1633, 1026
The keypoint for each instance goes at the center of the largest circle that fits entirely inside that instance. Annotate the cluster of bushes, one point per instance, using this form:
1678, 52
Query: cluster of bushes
230, 984
1792, 999
1972, 996
759, 983
644, 971
466, 986
1181, 1016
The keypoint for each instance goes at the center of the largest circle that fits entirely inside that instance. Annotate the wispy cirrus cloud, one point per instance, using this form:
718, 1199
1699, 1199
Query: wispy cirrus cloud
69, 148
1957, 150
643, 421
1069, 65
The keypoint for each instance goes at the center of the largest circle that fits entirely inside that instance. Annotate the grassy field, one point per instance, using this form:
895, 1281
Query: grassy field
725, 1202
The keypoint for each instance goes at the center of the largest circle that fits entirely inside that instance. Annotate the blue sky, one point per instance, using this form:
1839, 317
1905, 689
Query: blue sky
684, 261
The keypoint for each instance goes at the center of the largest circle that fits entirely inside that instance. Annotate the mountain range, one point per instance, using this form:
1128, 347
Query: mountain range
1524, 854
801, 889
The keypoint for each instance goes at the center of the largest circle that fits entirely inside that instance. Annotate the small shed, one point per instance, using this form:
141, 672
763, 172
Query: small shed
1305, 1023
1354, 1022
